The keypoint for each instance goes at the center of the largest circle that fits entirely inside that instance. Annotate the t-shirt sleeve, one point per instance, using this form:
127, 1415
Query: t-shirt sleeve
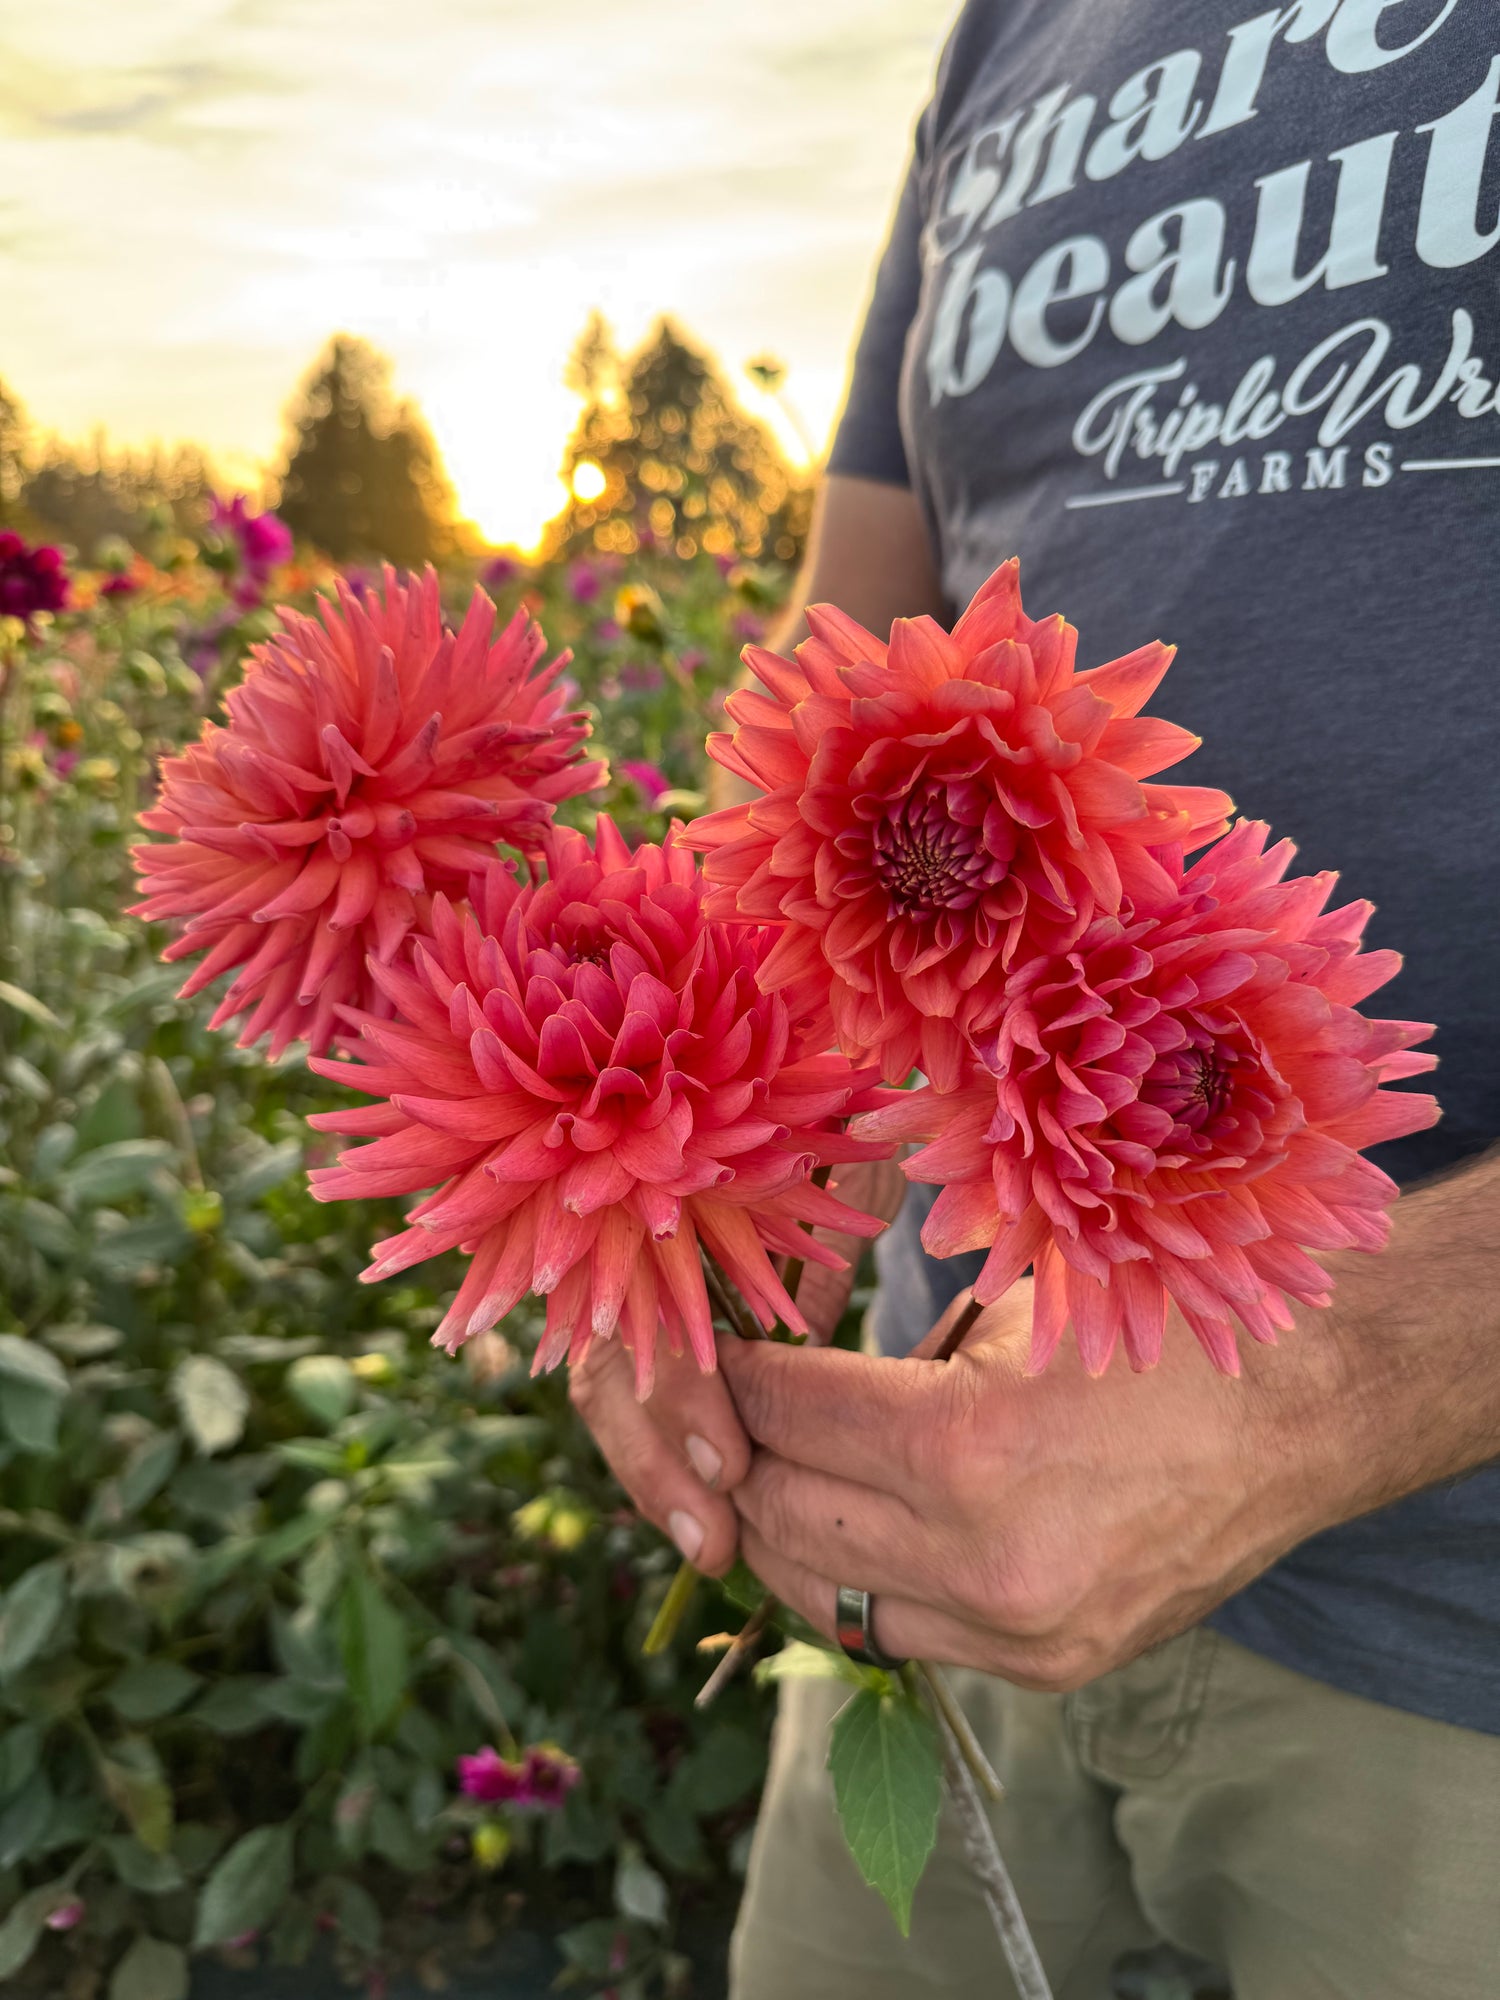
867, 442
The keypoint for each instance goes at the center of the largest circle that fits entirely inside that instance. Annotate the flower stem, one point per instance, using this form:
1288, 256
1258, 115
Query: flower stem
982, 1851
664, 1625
970, 1749
959, 1332
740, 1647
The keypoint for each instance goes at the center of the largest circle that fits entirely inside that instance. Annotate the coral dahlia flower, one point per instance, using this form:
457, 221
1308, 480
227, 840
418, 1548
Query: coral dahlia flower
591, 1070
1174, 1109
939, 808
367, 761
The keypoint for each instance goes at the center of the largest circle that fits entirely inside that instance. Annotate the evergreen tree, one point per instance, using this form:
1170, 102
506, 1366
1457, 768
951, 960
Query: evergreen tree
682, 462
363, 478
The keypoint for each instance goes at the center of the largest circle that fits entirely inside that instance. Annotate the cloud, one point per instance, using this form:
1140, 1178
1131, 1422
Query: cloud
213, 185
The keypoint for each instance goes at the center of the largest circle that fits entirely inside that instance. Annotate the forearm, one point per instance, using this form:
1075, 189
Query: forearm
1396, 1386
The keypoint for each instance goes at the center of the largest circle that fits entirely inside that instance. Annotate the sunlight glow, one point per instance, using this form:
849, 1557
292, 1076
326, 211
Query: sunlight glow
588, 481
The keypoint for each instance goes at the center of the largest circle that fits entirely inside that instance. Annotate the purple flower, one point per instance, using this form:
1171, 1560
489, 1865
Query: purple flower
67, 1916
260, 541
499, 571
745, 625
726, 563
487, 1776
640, 675
692, 659
583, 582
647, 780
31, 579
118, 586
543, 1777
606, 631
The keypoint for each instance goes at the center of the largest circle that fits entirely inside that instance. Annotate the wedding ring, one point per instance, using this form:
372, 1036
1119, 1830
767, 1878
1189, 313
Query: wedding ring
854, 1627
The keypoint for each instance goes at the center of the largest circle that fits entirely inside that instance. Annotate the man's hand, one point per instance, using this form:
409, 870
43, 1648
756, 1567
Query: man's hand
683, 1450
1049, 1528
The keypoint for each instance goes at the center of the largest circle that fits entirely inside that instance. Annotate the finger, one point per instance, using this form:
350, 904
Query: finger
901, 1628
696, 1412
652, 1467
855, 1415
933, 1339
870, 1539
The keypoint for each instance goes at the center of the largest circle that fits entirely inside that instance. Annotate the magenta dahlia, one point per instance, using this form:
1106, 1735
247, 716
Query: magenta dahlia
937, 810
367, 761
1173, 1109
589, 1067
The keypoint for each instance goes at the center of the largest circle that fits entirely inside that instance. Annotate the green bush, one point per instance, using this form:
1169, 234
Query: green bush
269, 1564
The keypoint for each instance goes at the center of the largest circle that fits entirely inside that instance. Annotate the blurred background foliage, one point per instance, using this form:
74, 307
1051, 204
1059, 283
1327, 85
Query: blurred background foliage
268, 1564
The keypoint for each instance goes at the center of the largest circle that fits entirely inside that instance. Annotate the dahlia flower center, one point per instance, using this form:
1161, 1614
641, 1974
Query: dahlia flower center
927, 861
1214, 1083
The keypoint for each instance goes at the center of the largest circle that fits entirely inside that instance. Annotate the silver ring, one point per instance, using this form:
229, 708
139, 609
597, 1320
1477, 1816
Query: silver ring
854, 1626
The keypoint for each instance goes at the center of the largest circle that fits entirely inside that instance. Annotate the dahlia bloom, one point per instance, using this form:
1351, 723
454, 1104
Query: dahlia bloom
543, 1776
1174, 1109
592, 1072
31, 579
258, 543
939, 809
367, 762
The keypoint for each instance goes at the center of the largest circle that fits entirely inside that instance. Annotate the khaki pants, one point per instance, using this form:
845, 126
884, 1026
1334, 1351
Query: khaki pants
1314, 1845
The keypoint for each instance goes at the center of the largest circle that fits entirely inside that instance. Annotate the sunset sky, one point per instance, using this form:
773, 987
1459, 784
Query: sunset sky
195, 193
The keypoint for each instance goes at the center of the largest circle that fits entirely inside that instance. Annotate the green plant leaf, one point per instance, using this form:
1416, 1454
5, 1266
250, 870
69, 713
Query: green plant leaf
112, 1173
21, 1932
151, 1970
29, 1613
138, 1868
30, 1416
639, 1891
136, 1784
372, 1638
274, 1166
233, 1707
29, 1362
212, 1400
247, 1887
20, 1753
887, 1763
26, 1819
28, 1004
357, 1914
151, 1689
325, 1386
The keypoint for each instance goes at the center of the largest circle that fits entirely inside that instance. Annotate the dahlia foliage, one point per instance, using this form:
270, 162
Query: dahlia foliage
939, 809
1173, 1109
590, 1068
367, 762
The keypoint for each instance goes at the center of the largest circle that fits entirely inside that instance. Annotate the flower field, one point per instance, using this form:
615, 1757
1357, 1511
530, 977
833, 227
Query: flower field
271, 1566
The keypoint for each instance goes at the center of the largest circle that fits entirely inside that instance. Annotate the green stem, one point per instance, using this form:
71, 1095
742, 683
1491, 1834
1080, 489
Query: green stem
664, 1625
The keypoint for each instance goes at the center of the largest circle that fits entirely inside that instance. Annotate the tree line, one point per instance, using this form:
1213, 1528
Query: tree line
662, 455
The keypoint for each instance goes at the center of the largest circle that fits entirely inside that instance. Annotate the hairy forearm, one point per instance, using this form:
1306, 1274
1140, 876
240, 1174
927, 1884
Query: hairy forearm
1396, 1386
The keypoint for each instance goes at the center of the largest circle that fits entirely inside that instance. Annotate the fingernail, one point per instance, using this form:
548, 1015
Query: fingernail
686, 1533
707, 1463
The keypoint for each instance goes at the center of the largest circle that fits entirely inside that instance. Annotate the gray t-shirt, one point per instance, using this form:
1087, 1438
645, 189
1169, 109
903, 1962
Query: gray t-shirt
1196, 308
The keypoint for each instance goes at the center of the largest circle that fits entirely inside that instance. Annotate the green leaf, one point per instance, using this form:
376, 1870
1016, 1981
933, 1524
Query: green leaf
151, 1689
357, 1913
274, 1166
247, 1887
727, 1765
111, 1173
887, 1764
30, 1416
639, 1891
372, 1639
136, 1785
21, 1932
148, 1468
20, 1753
138, 1868
325, 1386
28, 1004
25, 1821
151, 1970
798, 1661
29, 1362
233, 1707
212, 1400
29, 1613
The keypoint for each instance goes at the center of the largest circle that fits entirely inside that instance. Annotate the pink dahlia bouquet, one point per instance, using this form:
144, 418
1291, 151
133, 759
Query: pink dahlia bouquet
367, 761
589, 1067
